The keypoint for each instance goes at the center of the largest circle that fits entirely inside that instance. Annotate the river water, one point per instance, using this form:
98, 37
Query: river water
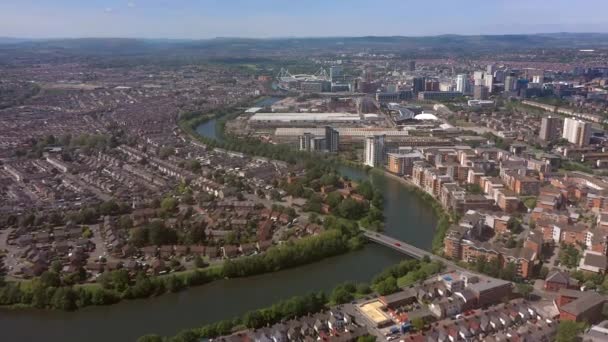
407, 218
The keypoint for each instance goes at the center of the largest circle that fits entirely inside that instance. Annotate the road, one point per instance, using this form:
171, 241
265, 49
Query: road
410, 250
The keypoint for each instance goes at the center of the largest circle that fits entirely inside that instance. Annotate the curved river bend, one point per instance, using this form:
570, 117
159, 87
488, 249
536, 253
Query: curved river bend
407, 218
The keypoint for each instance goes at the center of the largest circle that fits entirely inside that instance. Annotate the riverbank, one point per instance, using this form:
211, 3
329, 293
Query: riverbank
386, 282
116, 286
445, 218
406, 217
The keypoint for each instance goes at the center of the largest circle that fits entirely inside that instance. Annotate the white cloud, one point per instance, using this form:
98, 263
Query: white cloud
131, 4
108, 10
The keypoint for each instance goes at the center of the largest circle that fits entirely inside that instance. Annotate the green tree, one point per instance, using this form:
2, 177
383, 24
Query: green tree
418, 323
525, 290
168, 205
333, 199
150, 338
342, 294
568, 331
366, 338
514, 225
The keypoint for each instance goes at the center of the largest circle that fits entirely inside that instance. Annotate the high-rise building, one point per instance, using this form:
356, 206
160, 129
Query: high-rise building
488, 79
510, 83
332, 139
550, 128
412, 66
461, 83
478, 78
577, 132
499, 76
431, 85
306, 141
490, 69
318, 144
538, 79
375, 150
418, 84
480, 92
336, 73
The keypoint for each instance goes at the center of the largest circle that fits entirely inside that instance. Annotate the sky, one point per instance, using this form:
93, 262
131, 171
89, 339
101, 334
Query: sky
199, 19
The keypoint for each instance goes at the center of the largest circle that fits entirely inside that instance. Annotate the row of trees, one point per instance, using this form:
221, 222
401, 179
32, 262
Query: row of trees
51, 291
296, 307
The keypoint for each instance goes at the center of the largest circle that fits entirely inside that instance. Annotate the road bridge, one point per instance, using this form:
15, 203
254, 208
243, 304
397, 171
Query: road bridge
408, 249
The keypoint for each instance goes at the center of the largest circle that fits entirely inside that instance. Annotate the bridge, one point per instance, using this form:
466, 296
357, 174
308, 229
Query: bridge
397, 245
408, 249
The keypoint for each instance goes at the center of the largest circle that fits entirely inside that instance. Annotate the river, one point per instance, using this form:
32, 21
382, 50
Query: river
407, 218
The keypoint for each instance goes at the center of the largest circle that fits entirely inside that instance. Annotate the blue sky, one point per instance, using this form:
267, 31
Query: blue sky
282, 18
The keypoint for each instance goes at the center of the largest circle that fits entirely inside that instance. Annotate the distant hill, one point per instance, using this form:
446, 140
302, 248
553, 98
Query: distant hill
251, 47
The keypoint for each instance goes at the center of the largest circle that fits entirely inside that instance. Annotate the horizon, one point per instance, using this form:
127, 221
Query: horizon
300, 37
271, 19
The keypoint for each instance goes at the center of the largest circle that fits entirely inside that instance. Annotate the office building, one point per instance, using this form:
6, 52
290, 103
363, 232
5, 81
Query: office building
510, 83
431, 85
332, 139
499, 76
375, 150
488, 80
480, 92
478, 78
577, 132
550, 128
438, 95
418, 84
461, 83
412, 66
336, 74
490, 69
306, 141
538, 79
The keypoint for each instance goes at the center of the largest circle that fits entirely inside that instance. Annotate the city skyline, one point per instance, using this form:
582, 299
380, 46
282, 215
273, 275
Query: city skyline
184, 19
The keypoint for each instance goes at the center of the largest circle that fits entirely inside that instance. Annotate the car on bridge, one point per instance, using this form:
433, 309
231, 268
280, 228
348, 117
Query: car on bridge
397, 244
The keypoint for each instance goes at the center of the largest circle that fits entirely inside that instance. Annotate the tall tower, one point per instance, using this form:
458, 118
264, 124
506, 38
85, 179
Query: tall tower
412, 66
577, 131
375, 150
418, 84
550, 128
306, 143
461, 83
510, 83
332, 139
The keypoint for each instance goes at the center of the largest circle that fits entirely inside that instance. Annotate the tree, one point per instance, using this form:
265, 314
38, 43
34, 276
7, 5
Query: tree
333, 199
509, 271
56, 266
366, 189
544, 271
342, 293
50, 279
194, 165
418, 323
199, 262
139, 236
367, 338
150, 338
386, 286
567, 331
168, 205
514, 225
525, 290
569, 256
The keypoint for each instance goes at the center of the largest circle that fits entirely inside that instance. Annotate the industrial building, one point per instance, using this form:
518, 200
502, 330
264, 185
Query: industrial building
302, 119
